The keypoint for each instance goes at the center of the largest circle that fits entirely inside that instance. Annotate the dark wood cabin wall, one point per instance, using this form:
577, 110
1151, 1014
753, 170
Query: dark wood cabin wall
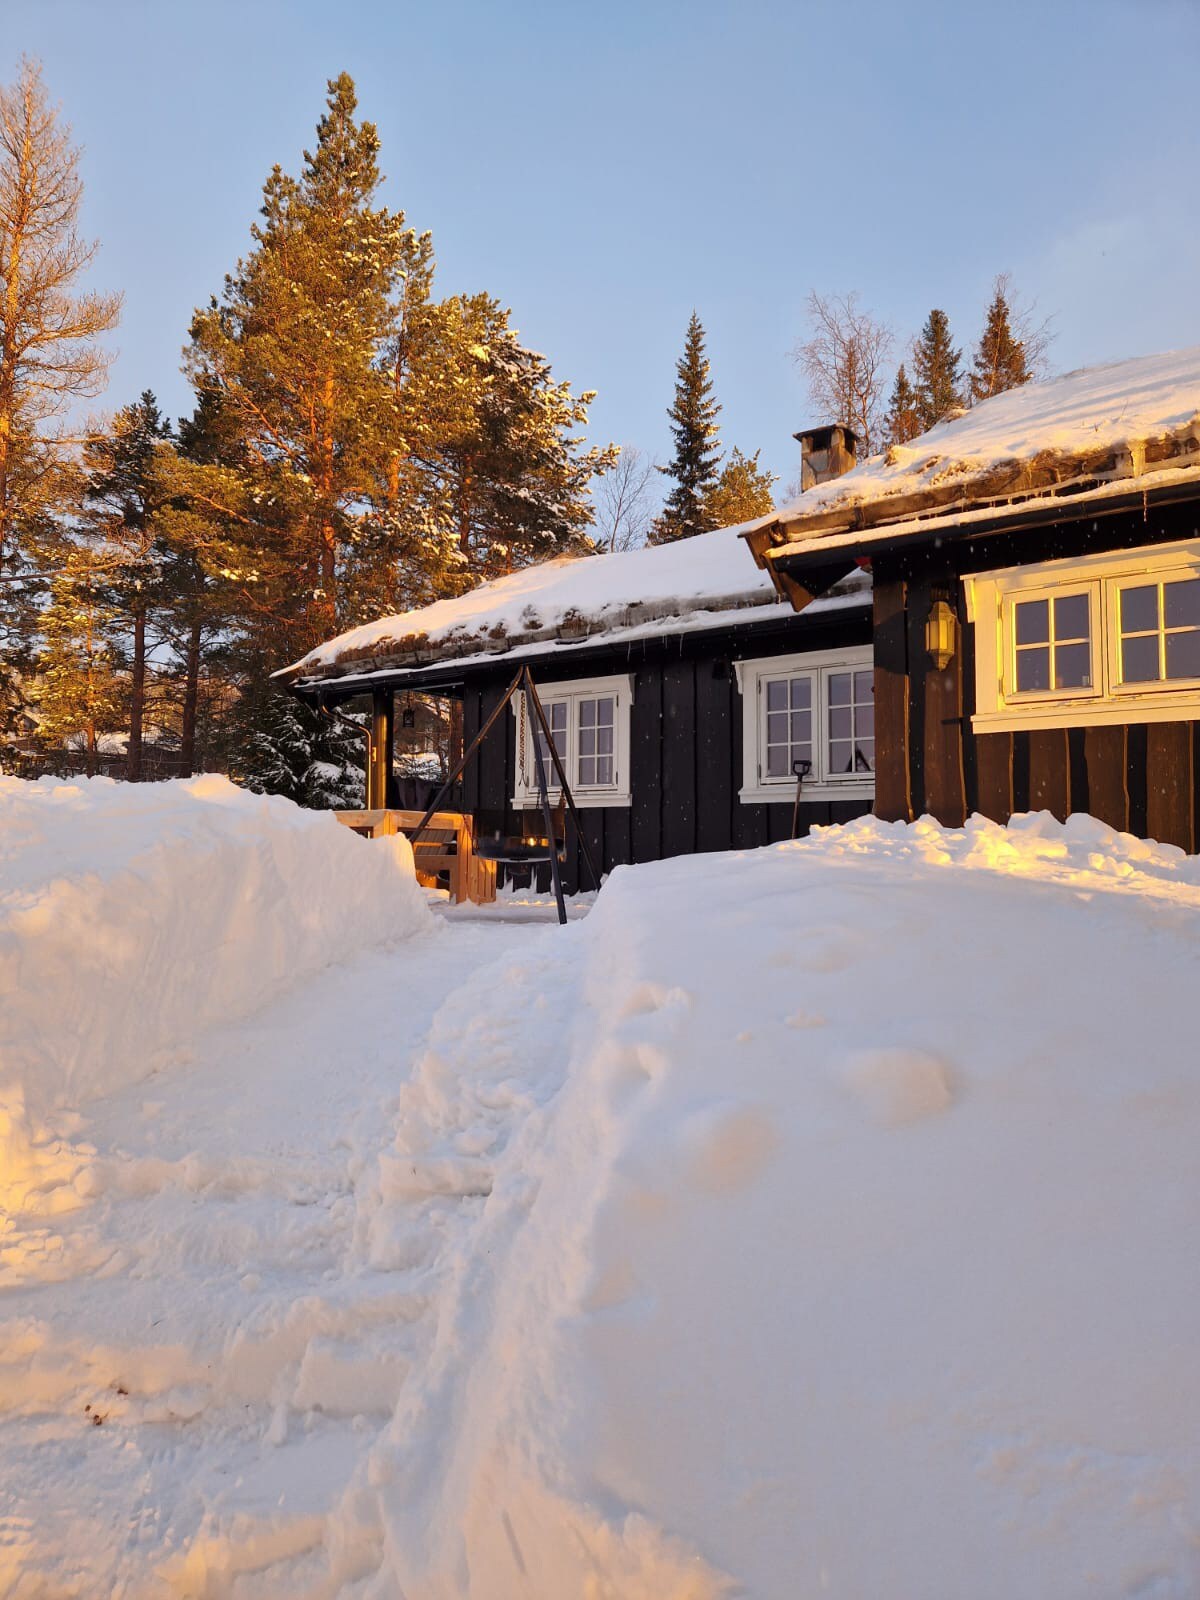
685, 741
1143, 778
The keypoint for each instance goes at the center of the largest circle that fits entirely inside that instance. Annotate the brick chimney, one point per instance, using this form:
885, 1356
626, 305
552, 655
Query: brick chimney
826, 453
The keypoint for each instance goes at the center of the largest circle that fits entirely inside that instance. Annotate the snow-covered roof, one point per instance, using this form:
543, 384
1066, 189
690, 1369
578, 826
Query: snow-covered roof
1079, 434
571, 601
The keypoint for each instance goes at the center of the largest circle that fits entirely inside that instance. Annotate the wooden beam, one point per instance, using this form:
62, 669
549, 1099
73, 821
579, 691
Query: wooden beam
1169, 783
892, 795
380, 768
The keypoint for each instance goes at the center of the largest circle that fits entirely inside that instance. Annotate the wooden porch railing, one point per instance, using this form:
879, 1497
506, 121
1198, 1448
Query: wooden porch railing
446, 846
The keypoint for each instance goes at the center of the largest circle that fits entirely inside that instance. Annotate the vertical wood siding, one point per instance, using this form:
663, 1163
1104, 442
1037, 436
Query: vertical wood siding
685, 747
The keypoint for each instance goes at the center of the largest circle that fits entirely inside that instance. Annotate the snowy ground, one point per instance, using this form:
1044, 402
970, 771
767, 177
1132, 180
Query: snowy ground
812, 1221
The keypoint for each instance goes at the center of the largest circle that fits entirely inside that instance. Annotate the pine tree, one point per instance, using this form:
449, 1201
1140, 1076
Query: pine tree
741, 493
936, 365
694, 427
1000, 361
296, 350
123, 495
498, 477
903, 416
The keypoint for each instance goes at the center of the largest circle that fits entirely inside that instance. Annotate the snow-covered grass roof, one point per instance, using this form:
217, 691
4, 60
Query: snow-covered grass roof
1131, 421
671, 588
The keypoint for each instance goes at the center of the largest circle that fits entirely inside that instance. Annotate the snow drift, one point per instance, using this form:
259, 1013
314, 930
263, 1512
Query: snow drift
859, 1254
134, 916
810, 1221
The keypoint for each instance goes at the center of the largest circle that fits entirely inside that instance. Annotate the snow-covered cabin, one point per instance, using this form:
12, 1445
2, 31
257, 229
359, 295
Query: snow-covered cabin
1036, 594
680, 687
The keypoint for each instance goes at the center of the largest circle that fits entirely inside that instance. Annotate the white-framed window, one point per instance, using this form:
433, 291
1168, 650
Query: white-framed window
589, 720
818, 708
1107, 638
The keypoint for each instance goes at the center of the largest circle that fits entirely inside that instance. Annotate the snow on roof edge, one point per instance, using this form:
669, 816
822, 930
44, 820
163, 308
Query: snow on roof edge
1112, 422
565, 598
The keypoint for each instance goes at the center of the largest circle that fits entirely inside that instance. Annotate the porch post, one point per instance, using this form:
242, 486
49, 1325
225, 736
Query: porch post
380, 768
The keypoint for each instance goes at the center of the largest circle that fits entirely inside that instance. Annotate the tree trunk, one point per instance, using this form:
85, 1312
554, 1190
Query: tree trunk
191, 695
137, 696
464, 511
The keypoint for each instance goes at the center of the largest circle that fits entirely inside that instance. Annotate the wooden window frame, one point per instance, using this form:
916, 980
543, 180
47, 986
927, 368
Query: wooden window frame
991, 598
618, 686
819, 666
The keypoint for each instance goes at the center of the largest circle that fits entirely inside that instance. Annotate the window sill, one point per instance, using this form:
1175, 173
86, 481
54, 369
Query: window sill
812, 793
584, 802
1128, 709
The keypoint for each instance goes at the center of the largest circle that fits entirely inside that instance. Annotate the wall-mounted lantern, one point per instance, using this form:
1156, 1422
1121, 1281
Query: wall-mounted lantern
941, 634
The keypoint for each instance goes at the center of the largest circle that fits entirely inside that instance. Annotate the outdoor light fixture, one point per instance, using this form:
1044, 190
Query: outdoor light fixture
940, 631
408, 714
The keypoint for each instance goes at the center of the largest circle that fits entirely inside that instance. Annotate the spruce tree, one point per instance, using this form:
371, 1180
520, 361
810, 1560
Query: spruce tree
694, 428
936, 366
80, 689
741, 493
1000, 361
903, 417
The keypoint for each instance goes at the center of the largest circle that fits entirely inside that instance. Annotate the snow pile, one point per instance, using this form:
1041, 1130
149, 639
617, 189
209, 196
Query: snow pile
134, 916
854, 1256
697, 580
813, 1220
1082, 414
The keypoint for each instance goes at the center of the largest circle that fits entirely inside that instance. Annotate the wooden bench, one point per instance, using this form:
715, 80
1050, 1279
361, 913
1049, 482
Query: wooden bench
447, 846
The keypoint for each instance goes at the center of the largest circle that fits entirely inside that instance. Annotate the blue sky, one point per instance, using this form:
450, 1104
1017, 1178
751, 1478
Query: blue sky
605, 168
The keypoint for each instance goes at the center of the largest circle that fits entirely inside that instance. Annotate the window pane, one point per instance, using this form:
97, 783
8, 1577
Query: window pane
1073, 666
587, 769
587, 713
587, 741
777, 727
839, 722
864, 686
864, 757
604, 711
1071, 617
801, 727
777, 761
864, 721
604, 741
1139, 610
801, 693
841, 755
1139, 659
1183, 653
1033, 670
604, 769
777, 694
1033, 621
840, 685
1181, 607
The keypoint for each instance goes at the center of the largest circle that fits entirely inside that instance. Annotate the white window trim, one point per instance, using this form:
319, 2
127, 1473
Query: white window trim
990, 597
525, 793
751, 675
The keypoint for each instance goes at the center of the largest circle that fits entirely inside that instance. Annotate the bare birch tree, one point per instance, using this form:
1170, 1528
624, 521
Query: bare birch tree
845, 365
49, 354
623, 509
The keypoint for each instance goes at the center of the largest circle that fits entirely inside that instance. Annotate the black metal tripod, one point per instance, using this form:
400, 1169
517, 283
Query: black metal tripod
535, 714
